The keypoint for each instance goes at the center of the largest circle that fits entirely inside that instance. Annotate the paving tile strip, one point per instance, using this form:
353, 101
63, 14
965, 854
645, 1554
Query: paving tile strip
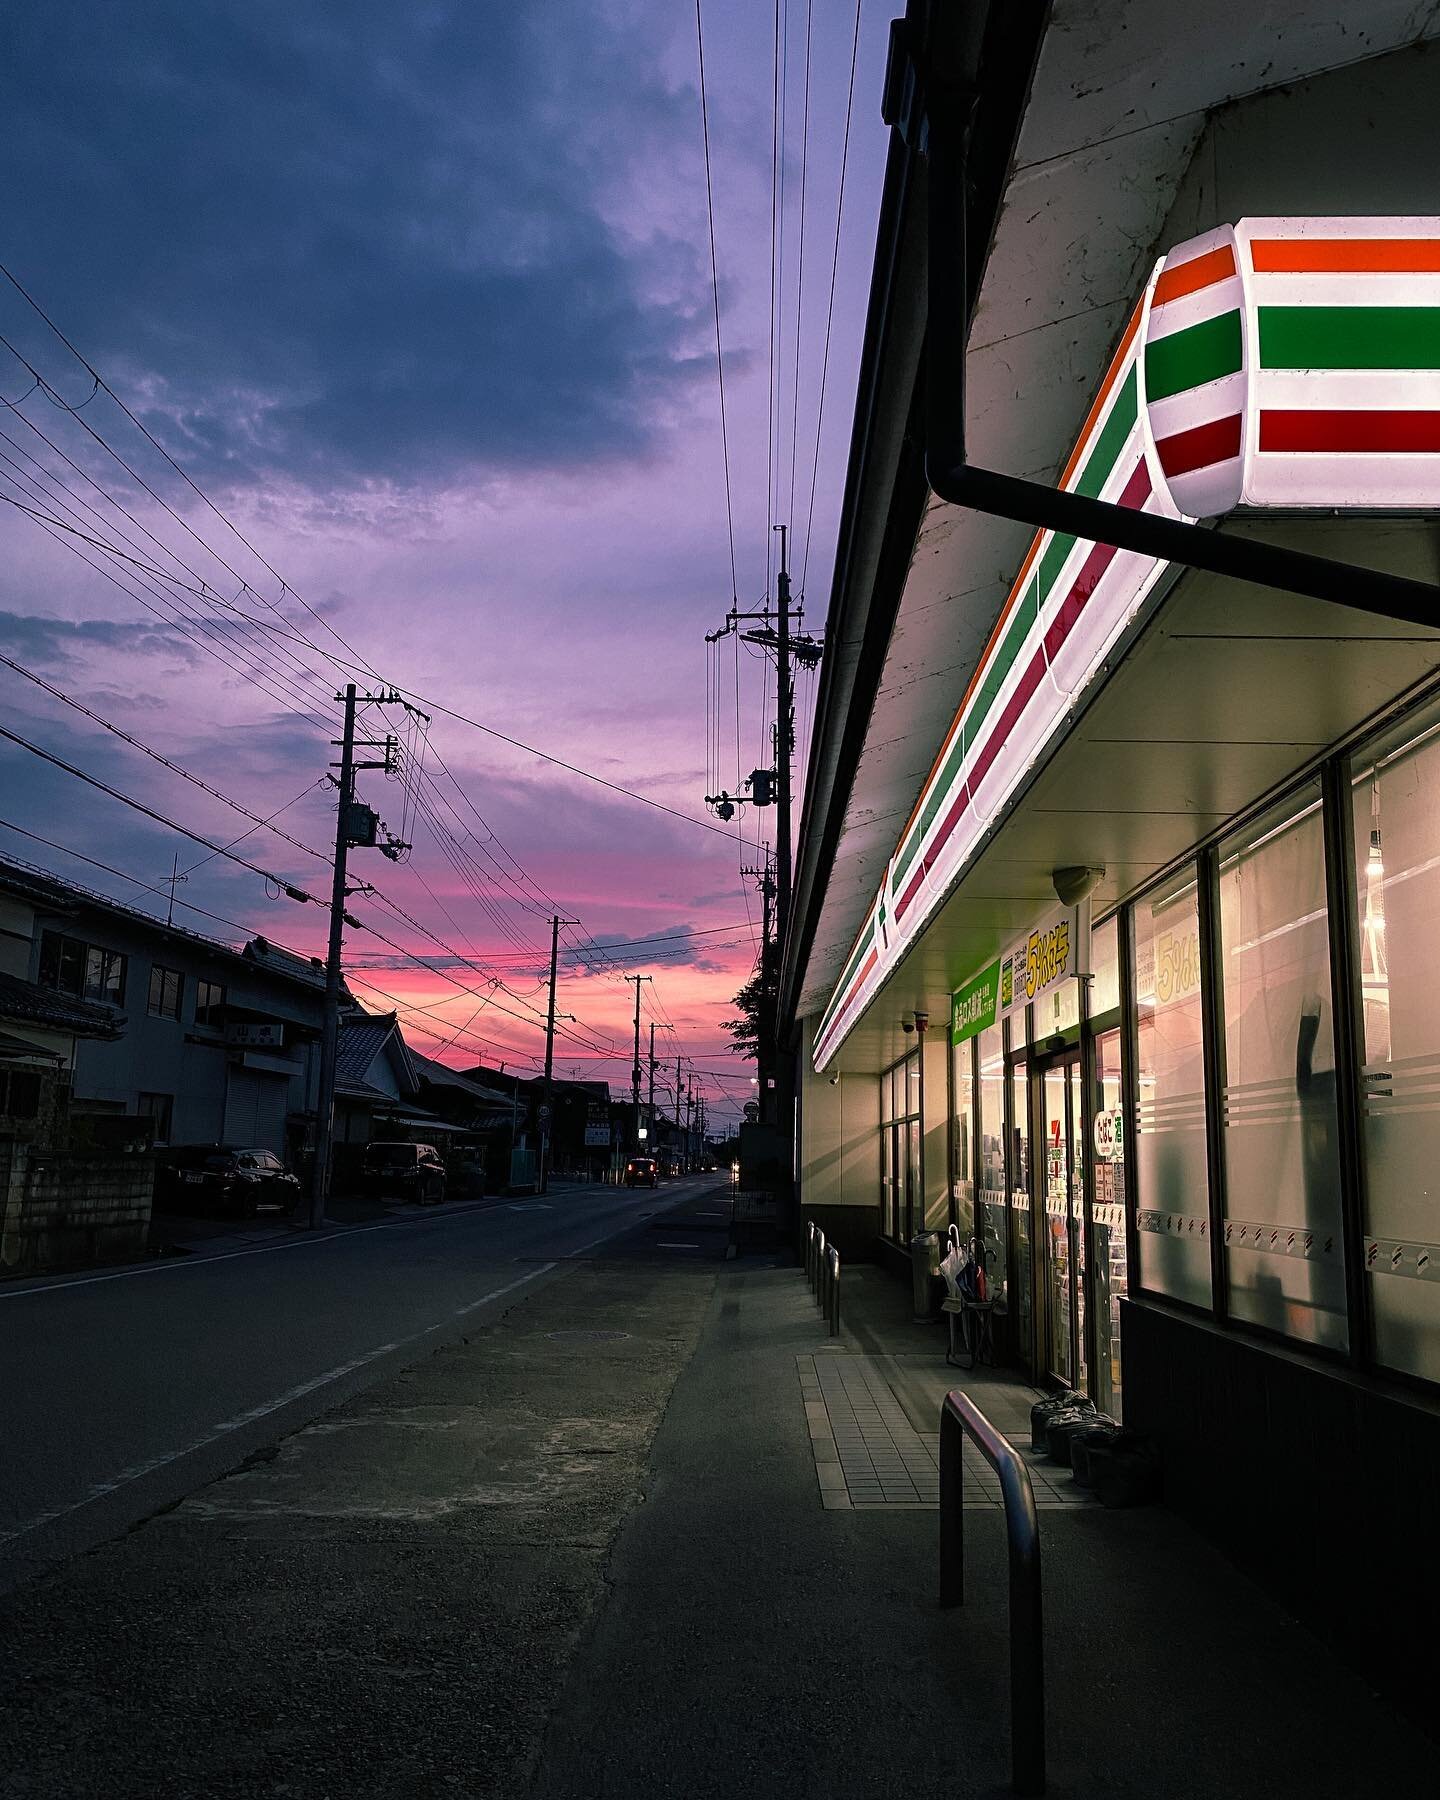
869, 1456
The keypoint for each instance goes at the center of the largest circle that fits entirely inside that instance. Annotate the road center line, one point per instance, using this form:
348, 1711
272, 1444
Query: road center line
172, 1265
216, 1432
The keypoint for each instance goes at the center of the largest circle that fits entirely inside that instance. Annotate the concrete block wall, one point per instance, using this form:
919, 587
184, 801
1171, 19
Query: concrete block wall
61, 1210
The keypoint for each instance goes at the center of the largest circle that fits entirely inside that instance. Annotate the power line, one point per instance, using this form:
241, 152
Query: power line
286, 887
800, 260
145, 432
348, 667
830, 304
715, 291
174, 767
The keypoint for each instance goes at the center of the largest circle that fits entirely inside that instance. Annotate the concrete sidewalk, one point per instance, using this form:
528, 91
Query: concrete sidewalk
655, 1534
757, 1641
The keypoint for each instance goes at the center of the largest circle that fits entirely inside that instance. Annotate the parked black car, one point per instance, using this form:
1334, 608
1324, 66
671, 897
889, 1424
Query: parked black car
221, 1178
411, 1171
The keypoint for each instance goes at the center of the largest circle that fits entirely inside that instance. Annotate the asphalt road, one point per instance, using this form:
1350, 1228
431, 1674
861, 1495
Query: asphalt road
123, 1390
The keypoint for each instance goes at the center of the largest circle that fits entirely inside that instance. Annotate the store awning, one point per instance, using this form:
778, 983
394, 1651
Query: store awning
1223, 696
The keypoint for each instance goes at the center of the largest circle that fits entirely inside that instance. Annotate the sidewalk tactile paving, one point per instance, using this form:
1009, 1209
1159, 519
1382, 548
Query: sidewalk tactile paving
869, 1457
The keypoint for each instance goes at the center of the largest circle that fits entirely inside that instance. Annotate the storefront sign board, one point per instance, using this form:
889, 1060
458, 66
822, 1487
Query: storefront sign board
1038, 962
973, 1007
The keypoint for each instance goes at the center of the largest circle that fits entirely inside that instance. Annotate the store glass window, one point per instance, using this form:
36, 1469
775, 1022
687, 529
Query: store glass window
900, 1148
1056, 1011
1396, 799
1172, 1184
1283, 1240
1105, 962
990, 1207
962, 1136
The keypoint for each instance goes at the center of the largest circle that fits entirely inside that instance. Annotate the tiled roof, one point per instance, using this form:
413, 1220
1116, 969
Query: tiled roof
440, 1075
309, 969
57, 1012
48, 891
362, 1038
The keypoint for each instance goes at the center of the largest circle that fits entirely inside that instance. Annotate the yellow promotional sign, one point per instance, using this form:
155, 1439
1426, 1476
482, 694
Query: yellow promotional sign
1038, 962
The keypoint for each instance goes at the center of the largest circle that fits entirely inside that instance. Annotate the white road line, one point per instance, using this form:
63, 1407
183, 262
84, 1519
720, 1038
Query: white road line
677, 1246
216, 1432
171, 1265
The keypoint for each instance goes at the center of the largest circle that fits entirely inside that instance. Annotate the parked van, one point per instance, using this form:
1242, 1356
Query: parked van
407, 1171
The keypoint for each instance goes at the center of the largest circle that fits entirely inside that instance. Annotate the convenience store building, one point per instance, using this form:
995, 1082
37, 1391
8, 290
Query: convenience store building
1118, 887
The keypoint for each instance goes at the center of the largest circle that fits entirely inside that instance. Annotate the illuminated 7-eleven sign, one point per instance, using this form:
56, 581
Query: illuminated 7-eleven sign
1296, 362
1282, 363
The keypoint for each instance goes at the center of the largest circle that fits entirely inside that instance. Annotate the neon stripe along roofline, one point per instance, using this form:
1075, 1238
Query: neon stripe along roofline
1352, 457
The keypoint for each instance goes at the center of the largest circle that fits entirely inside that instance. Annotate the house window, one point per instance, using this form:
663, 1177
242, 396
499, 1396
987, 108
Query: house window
209, 1003
87, 971
159, 1108
164, 1002
19, 1094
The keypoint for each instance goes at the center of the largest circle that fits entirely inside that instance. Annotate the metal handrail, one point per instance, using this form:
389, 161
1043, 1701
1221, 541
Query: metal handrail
961, 1418
832, 1258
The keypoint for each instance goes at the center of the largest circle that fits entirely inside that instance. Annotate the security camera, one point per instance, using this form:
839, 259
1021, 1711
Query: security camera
835, 1079
907, 1024
1074, 883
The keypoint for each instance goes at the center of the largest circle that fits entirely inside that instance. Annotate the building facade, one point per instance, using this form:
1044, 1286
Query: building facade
207, 1044
1117, 876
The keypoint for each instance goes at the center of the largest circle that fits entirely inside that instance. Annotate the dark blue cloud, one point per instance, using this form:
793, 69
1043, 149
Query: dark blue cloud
53, 644
359, 243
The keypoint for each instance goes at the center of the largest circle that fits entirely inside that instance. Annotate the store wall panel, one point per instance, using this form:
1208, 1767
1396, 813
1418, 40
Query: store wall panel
1318, 1482
840, 1156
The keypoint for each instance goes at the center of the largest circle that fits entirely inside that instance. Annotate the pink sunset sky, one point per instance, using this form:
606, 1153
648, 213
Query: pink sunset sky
420, 299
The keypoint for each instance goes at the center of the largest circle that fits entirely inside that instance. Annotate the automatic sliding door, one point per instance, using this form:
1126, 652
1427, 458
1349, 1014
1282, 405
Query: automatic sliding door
1058, 1269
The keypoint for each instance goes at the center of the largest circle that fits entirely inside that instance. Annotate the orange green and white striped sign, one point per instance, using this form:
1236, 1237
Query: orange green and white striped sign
1296, 362
1282, 363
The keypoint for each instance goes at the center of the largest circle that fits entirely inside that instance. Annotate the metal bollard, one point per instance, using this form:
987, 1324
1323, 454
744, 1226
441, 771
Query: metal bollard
961, 1418
834, 1307
810, 1255
819, 1263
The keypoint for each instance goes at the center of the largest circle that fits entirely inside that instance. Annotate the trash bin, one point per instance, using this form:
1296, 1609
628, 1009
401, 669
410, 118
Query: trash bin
925, 1271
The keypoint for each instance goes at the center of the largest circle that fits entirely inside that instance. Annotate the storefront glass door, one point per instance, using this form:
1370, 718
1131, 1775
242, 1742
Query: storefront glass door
1108, 1214
1063, 1210
1023, 1341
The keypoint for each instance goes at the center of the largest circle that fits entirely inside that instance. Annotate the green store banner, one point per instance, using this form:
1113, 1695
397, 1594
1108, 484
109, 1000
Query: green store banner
974, 1005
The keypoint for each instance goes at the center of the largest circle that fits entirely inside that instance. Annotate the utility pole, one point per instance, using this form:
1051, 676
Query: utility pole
774, 786
765, 1049
680, 1121
175, 879
547, 1109
356, 827
635, 1067
330, 1028
785, 742
650, 1098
